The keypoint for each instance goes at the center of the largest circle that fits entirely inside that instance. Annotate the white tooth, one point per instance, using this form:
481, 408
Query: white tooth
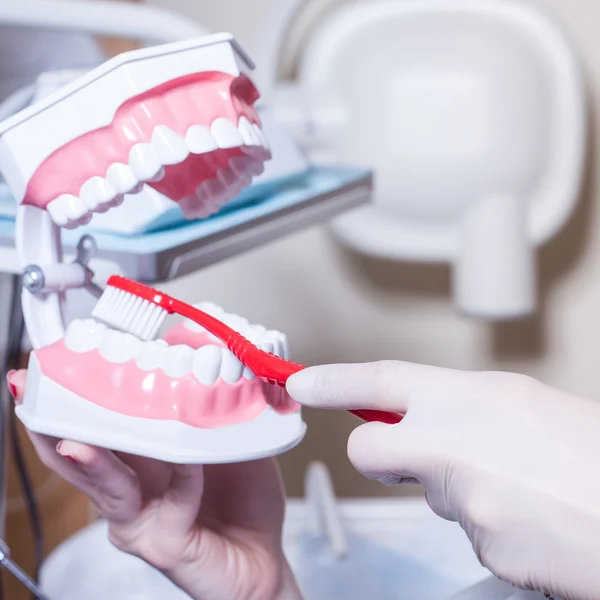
151, 355
56, 213
248, 374
212, 189
254, 334
119, 347
169, 147
256, 168
226, 177
231, 367
199, 140
144, 163
226, 134
66, 208
267, 345
84, 335
247, 133
258, 132
96, 191
277, 341
122, 179
191, 207
241, 165
207, 364
162, 342
236, 323
210, 309
178, 361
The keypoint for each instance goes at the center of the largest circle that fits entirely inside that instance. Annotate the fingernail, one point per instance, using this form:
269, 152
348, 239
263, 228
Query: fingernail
299, 386
12, 388
67, 456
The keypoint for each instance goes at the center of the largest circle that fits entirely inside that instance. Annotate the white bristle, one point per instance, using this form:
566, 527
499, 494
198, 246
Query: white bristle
127, 312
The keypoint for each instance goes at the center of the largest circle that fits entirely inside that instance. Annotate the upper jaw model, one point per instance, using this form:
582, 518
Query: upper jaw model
178, 117
181, 119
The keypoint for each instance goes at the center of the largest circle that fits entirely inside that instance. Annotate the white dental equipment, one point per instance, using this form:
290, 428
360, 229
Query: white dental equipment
388, 549
472, 115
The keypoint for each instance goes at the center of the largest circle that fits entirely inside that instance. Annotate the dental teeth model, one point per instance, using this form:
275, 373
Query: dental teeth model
179, 118
184, 398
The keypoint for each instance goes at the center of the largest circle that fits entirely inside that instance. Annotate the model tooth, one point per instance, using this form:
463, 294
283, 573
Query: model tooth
170, 148
178, 361
96, 191
207, 364
210, 309
236, 323
258, 132
248, 374
226, 134
119, 347
121, 177
267, 345
247, 133
241, 165
200, 140
66, 208
144, 163
256, 168
151, 355
191, 207
231, 367
57, 213
212, 190
84, 335
227, 177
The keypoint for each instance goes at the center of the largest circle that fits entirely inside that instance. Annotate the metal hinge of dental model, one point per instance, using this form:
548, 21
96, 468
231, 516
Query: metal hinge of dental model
11, 566
65, 276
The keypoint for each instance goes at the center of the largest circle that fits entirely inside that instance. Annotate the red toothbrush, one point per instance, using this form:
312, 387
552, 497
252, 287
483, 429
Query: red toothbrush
140, 310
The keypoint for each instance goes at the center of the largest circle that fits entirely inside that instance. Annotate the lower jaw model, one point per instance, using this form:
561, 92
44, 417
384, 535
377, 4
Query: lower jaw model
185, 398
181, 119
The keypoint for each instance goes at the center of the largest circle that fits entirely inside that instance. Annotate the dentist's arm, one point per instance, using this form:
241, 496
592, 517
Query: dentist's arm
516, 463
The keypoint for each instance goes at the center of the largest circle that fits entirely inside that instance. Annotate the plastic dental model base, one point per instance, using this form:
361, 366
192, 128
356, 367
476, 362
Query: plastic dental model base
179, 118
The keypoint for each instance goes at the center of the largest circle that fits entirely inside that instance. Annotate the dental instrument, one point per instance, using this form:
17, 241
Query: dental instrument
139, 310
7, 563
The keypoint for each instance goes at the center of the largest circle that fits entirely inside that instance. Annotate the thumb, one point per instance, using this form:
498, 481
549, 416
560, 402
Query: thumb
386, 385
389, 453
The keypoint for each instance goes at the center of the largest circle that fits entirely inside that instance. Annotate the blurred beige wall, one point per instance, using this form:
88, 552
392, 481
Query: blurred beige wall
339, 307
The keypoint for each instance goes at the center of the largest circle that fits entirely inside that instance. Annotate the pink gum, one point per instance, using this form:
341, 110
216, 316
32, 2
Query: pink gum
196, 99
126, 389
276, 397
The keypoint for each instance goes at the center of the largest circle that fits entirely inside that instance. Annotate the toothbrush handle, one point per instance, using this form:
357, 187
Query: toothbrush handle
277, 371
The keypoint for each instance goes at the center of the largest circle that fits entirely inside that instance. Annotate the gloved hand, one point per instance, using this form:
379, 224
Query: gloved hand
513, 461
215, 531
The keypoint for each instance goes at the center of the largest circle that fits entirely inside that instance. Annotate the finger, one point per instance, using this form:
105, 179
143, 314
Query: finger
386, 385
388, 453
16, 380
181, 501
111, 485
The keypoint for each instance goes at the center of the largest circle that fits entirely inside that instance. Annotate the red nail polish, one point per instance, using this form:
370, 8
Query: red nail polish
12, 388
67, 456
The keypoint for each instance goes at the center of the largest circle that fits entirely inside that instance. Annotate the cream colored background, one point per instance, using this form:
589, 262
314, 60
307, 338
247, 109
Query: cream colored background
338, 307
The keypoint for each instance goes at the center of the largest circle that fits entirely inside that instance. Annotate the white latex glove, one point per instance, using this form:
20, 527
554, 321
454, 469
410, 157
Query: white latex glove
515, 462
